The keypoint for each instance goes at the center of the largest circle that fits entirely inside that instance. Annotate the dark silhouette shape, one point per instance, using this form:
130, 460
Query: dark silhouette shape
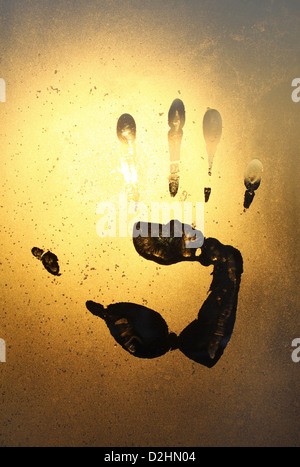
144, 333
173, 182
37, 252
249, 196
49, 260
205, 339
176, 121
252, 181
207, 193
139, 330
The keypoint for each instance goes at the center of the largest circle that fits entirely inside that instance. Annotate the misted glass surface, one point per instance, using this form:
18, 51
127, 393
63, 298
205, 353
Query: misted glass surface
86, 88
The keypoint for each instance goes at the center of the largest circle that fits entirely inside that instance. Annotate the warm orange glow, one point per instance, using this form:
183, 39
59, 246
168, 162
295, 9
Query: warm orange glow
71, 69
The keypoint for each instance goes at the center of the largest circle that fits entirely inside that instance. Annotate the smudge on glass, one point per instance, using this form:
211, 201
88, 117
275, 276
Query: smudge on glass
49, 260
252, 180
212, 132
126, 132
176, 121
